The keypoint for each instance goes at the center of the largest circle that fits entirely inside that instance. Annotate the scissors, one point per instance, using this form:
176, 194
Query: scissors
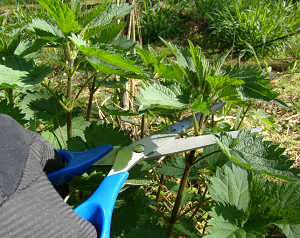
98, 208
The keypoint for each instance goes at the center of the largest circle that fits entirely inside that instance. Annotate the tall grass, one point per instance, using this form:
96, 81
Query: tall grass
162, 19
261, 24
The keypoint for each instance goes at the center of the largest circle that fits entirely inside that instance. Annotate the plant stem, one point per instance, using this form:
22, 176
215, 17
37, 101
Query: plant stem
159, 187
196, 124
143, 126
56, 97
244, 115
92, 91
180, 193
205, 156
69, 124
10, 95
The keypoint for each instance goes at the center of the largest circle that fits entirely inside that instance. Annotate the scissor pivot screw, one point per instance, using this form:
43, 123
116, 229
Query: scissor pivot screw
139, 148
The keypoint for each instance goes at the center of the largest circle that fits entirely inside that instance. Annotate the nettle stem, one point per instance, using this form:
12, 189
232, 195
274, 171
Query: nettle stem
180, 193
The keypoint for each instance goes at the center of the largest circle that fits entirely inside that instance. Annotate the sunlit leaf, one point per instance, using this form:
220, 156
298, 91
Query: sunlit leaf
255, 154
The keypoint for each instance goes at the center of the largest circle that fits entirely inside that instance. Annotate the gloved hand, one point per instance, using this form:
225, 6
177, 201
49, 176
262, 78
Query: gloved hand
29, 205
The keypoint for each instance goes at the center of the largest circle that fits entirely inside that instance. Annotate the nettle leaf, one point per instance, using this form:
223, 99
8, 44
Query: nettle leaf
107, 35
45, 30
28, 47
274, 202
261, 114
251, 204
111, 58
129, 209
291, 231
215, 160
12, 111
62, 14
8, 43
114, 83
147, 230
47, 108
186, 228
55, 138
101, 134
17, 72
256, 84
230, 187
255, 154
88, 16
108, 68
220, 83
200, 105
112, 13
175, 167
154, 95
227, 222
114, 111
28, 98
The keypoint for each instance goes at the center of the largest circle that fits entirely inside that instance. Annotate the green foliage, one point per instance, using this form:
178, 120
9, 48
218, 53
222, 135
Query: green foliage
257, 23
250, 204
14, 112
174, 196
165, 19
252, 152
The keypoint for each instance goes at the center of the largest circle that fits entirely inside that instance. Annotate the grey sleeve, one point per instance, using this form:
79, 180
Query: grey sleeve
29, 205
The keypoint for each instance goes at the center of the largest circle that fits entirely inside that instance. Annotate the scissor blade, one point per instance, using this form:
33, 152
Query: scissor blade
171, 147
190, 143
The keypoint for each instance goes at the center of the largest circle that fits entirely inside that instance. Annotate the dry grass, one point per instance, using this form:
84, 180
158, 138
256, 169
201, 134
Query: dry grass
287, 133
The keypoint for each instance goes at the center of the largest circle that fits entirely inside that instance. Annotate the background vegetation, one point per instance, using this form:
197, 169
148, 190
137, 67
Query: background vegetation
86, 73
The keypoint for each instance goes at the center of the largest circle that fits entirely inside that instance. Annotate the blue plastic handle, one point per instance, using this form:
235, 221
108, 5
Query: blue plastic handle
99, 207
77, 163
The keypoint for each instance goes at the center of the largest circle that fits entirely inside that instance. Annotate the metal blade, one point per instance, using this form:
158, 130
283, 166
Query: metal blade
170, 147
127, 157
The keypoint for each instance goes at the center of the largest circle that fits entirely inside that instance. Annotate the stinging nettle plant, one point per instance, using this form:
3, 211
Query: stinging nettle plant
215, 192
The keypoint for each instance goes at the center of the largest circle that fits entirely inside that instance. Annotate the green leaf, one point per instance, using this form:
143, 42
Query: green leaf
9, 43
114, 83
256, 84
251, 204
112, 13
220, 83
101, 134
215, 160
187, 229
17, 72
106, 34
290, 231
62, 14
76, 144
230, 186
175, 167
88, 16
45, 30
159, 96
79, 124
111, 58
199, 105
47, 109
28, 98
147, 230
114, 111
255, 154
274, 202
28, 47
260, 113
107, 68
12, 111
128, 212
